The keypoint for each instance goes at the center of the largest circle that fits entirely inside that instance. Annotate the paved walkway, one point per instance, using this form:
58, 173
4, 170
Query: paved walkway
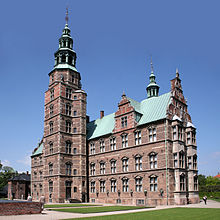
53, 215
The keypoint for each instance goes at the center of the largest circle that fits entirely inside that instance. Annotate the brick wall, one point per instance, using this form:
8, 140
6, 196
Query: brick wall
20, 208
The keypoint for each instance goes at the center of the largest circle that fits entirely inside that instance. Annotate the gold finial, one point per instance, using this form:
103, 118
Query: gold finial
67, 18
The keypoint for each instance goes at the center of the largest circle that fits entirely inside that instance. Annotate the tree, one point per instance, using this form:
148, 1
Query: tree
202, 180
5, 174
211, 181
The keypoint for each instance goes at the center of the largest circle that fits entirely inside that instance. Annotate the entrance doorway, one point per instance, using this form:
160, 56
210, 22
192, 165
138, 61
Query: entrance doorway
68, 189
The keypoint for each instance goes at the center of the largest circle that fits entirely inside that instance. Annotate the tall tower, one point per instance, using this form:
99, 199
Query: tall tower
65, 127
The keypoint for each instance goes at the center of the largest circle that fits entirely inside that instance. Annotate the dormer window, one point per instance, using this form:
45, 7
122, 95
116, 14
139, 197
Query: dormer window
124, 122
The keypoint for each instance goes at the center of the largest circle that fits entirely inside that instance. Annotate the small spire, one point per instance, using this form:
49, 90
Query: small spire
123, 95
177, 73
151, 64
67, 17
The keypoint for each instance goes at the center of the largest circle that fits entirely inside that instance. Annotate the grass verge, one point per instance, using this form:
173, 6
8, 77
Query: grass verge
168, 214
67, 205
99, 209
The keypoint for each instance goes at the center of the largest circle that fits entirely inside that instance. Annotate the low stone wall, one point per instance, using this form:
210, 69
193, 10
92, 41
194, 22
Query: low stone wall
8, 207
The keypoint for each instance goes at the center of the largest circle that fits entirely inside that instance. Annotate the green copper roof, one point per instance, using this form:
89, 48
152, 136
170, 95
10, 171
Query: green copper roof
65, 66
39, 150
100, 127
151, 109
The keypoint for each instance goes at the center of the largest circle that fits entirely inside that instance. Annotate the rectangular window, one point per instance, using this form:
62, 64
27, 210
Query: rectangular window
51, 148
102, 168
124, 122
138, 184
51, 127
113, 185
195, 178
153, 161
68, 93
193, 137
190, 162
194, 162
92, 148
125, 185
92, 187
92, 169
113, 143
74, 150
102, 186
68, 147
181, 160
180, 133
68, 126
113, 166
51, 110
51, 94
137, 137
50, 169
75, 172
140, 201
174, 133
68, 169
125, 165
153, 184
124, 140
175, 160
182, 183
50, 186
188, 139
68, 109
102, 146
138, 163
152, 134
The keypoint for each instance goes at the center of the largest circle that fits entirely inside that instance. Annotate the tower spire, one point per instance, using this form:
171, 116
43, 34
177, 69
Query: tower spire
67, 16
152, 88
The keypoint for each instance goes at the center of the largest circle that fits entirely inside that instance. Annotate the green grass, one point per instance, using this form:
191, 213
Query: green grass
99, 209
67, 205
165, 214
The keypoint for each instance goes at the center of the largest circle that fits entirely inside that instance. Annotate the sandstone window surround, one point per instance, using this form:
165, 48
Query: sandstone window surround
92, 186
50, 186
68, 168
195, 162
51, 147
152, 134
175, 160
137, 137
181, 159
102, 167
195, 180
124, 122
113, 143
113, 185
51, 110
138, 162
113, 165
188, 138
182, 182
51, 94
68, 93
50, 165
68, 147
102, 145
125, 164
153, 160
153, 183
124, 140
92, 169
68, 109
68, 126
51, 127
92, 148
138, 184
125, 184
174, 133
102, 186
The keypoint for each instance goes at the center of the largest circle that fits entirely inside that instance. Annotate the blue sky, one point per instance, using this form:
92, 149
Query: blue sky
114, 41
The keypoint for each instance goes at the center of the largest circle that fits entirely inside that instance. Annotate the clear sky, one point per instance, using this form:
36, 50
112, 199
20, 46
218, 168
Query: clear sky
113, 41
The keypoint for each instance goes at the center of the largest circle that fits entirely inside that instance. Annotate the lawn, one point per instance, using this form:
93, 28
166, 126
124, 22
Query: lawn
167, 214
99, 209
67, 205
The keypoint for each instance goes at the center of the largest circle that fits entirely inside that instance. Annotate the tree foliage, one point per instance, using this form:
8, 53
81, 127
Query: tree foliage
6, 173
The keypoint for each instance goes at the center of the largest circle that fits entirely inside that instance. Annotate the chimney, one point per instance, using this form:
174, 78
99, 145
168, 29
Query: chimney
101, 114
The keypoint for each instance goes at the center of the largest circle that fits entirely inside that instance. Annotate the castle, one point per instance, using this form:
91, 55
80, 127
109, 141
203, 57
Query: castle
143, 154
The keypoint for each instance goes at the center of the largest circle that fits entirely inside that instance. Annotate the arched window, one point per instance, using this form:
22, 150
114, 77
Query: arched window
51, 127
51, 147
68, 126
63, 58
68, 109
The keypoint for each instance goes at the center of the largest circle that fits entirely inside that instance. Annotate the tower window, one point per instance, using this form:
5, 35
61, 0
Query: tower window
75, 113
51, 94
50, 169
74, 130
51, 147
51, 186
74, 171
68, 169
63, 58
51, 127
68, 93
68, 109
68, 147
70, 60
68, 126
51, 110
181, 159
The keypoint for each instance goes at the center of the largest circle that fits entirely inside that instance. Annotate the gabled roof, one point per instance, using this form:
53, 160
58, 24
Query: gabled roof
151, 109
21, 177
39, 150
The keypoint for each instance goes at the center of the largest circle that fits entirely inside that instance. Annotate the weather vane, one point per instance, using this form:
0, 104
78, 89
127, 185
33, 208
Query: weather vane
67, 18
151, 64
